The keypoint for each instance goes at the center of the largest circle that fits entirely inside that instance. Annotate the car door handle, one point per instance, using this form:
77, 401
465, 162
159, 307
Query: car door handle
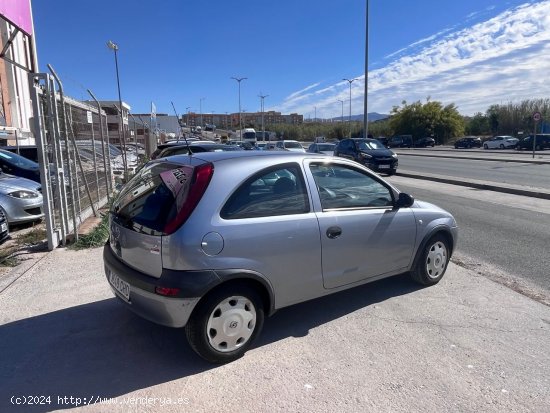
334, 232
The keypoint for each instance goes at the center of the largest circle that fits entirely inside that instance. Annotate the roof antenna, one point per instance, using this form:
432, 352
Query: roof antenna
181, 129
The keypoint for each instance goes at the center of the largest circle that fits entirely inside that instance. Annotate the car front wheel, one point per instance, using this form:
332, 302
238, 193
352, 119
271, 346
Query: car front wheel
224, 325
432, 262
485, 146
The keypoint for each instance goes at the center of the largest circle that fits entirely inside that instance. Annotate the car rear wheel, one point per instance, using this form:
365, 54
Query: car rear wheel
432, 262
501, 146
224, 325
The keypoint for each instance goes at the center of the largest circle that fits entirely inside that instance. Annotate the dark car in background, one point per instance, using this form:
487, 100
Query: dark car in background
369, 152
14, 164
424, 143
26, 151
197, 148
468, 142
400, 141
541, 142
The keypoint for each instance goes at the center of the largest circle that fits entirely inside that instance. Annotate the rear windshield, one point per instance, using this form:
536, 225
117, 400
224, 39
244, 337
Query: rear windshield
153, 197
292, 145
325, 146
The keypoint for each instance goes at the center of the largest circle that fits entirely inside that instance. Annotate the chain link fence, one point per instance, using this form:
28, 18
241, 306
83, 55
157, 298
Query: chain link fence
79, 166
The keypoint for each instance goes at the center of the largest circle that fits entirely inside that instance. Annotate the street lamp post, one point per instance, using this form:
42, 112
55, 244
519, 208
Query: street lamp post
365, 108
262, 97
114, 47
350, 81
239, 80
342, 116
200, 110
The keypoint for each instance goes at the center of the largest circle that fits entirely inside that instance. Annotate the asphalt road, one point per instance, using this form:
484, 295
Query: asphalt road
494, 171
501, 233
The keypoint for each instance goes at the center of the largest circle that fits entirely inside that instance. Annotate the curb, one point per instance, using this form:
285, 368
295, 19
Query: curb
472, 183
478, 158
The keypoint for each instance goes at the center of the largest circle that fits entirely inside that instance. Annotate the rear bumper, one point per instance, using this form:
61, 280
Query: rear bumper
167, 311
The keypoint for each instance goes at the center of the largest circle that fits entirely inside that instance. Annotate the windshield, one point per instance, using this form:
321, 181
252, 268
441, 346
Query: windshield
325, 146
369, 145
17, 160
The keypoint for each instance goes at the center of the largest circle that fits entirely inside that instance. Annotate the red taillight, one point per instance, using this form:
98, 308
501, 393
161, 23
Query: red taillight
166, 291
200, 181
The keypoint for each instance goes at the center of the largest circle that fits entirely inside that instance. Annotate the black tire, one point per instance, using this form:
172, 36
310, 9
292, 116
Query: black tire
501, 146
432, 261
485, 146
392, 172
200, 338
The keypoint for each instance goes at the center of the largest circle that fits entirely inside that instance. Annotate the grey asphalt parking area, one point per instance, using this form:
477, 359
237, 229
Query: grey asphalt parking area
467, 344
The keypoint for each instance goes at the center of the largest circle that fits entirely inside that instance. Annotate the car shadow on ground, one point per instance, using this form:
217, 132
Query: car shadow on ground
101, 349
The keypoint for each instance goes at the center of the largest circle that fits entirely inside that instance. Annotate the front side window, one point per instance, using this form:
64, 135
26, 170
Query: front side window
274, 191
343, 186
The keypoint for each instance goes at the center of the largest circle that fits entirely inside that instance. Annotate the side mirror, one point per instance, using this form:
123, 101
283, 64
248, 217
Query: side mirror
404, 200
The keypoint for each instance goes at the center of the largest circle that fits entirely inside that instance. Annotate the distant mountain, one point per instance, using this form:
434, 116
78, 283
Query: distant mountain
372, 116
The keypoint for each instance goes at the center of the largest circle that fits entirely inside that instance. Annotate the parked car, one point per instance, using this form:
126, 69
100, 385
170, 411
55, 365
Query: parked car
289, 145
468, 142
500, 142
542, 142
20, 199
14, 164
27, 151
383, 140
4, 227
424, 142
369, 152
197, 147
162, 146
400, 141
187, 240
324, 148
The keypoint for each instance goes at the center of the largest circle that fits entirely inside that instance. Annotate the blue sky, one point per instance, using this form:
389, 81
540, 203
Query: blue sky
471, 52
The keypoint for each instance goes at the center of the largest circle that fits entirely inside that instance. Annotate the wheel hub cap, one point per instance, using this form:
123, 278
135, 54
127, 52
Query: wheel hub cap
436, 260
231, 324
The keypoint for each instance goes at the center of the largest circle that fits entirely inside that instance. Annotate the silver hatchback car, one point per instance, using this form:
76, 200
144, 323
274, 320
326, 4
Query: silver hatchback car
214, 241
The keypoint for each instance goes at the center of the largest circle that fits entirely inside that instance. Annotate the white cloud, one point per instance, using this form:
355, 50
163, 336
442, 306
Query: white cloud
499, 60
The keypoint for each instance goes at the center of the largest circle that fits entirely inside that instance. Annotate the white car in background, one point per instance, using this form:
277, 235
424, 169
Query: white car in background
500, 142
289, 145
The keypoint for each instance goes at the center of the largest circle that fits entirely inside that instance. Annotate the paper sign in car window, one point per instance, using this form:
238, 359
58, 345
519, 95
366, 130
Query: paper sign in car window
178, 182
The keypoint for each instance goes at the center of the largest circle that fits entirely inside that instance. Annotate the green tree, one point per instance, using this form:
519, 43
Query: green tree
429, 119
478, 125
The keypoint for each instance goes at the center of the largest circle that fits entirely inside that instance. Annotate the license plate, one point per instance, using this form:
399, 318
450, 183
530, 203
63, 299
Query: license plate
3, 227
383, 167
120, 285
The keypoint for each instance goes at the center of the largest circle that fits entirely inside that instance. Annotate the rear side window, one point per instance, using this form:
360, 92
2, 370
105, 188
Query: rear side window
271, 192
153, 197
